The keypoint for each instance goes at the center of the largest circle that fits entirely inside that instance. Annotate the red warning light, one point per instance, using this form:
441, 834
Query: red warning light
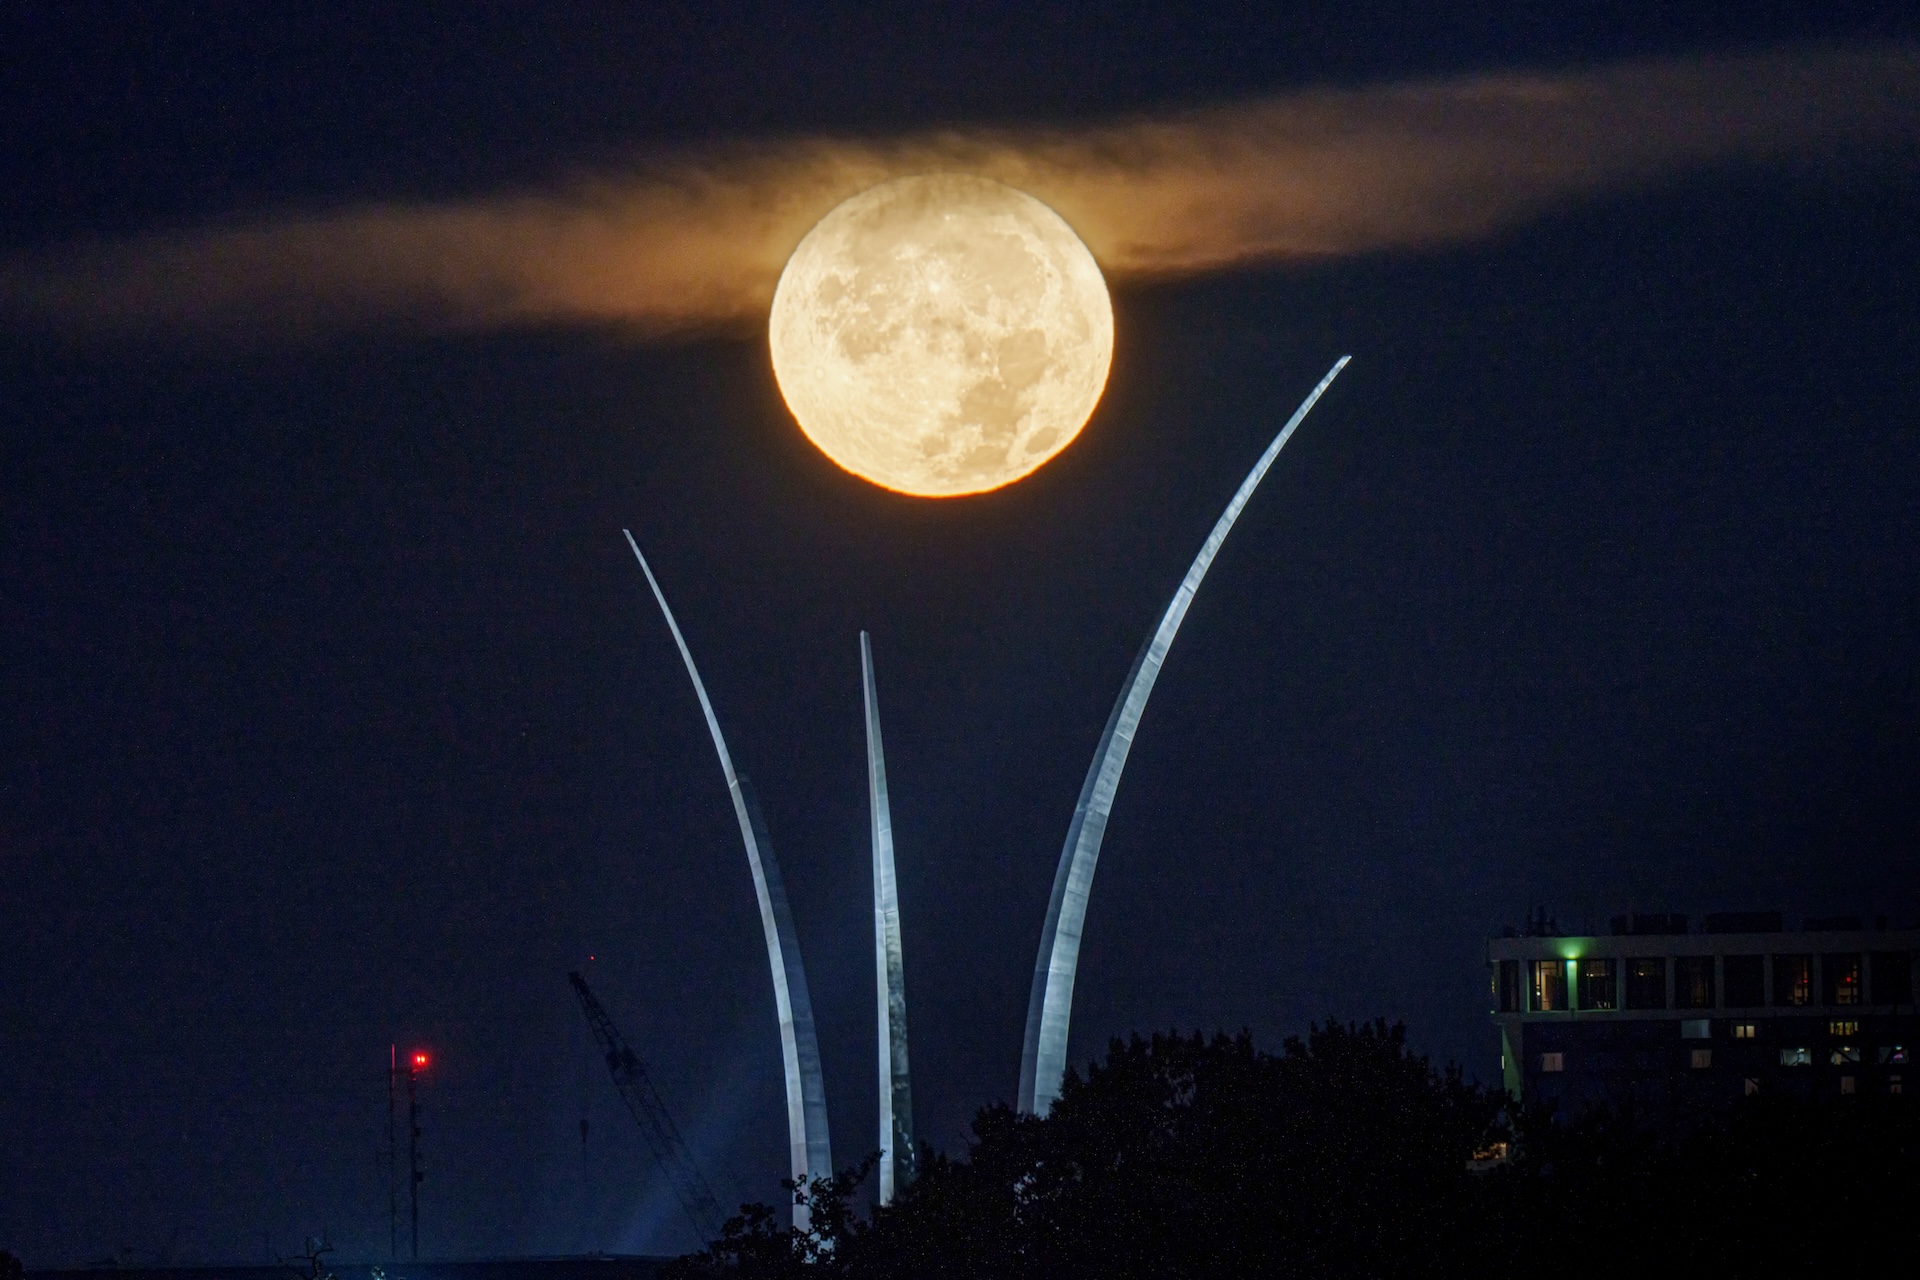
419, 1060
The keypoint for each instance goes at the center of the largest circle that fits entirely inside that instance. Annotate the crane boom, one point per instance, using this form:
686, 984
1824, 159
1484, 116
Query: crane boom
663, 1139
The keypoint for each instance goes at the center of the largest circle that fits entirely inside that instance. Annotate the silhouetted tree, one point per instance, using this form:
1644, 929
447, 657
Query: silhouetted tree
1342, 1155
311, 1262
759, 1242
1347, 1155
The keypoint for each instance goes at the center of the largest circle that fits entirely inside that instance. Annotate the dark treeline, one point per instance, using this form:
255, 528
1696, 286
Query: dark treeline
1347, 1155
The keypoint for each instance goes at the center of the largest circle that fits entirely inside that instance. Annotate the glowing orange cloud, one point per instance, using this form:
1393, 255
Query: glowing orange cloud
698, 240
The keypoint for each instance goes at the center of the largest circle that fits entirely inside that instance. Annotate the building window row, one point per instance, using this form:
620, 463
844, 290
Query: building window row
1555, 1062
1605, 983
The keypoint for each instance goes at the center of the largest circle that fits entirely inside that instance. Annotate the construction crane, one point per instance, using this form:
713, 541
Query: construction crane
656, 1126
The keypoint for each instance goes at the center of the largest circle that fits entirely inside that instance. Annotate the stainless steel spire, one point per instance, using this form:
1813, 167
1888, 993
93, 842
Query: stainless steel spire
1043, 1054
896, 1091
808, 1148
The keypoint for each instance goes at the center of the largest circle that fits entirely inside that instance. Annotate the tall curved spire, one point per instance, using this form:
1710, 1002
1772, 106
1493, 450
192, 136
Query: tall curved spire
896, 1090
1043, 1053
809, 1151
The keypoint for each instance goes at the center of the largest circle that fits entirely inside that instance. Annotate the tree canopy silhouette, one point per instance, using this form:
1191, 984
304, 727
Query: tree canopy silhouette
1345, 1154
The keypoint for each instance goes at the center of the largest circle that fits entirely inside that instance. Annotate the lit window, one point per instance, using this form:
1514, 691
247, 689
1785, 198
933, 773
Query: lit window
1744, 1030
1693, 982
1487, 1157
1792, 980
1840, 980
1696, 1029
1846, 1084
1596, 985
1549, 985
1893, 1053
1700, 1058
1647, 983
1796, 1057
1845, 1053
1553, 1062
1843, 1027
1750, 1086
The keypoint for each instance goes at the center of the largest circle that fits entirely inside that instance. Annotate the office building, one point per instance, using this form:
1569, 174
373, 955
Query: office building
1669, 1018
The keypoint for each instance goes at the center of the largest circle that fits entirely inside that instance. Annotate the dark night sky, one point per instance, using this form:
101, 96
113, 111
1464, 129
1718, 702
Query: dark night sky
333, 711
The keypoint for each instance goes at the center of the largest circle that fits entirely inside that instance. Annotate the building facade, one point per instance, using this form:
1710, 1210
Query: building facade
1666, 1018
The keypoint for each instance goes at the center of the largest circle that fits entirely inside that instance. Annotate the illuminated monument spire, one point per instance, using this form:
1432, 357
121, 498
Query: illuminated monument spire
1043, 1054
808, 1148
896, 1091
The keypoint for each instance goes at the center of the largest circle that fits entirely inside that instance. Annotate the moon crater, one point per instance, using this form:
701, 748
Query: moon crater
941, 334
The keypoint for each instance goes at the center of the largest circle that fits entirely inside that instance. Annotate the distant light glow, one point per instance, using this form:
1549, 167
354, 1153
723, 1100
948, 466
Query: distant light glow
419, 1060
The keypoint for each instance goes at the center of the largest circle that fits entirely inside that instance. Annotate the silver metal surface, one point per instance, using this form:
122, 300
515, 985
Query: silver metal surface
1043, 1053
896, 1091
809, 1151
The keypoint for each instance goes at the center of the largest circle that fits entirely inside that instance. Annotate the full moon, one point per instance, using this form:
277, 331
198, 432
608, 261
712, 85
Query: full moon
941, 334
